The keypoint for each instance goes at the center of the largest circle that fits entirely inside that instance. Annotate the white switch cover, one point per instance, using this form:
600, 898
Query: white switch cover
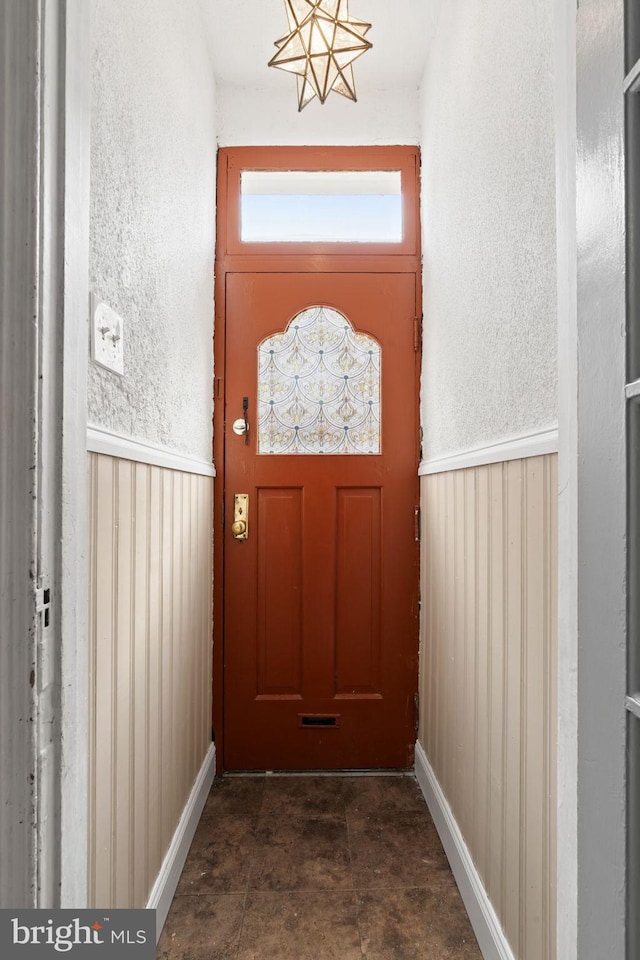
107, 337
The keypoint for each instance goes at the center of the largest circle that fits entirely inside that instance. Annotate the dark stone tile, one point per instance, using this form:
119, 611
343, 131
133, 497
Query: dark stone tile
401, 850
302, 796
300, 926
235, 796
219, 859
301, 853
305, 849
416, 924
382, 796
202, 928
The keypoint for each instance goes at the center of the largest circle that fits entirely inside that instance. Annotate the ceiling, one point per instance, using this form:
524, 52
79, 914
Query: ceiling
244, 31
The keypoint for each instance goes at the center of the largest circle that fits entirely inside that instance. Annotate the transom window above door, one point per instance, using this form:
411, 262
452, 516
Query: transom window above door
327, 201
321, 206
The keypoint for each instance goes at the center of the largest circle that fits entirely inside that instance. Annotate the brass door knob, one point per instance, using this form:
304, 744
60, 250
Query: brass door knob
238, 528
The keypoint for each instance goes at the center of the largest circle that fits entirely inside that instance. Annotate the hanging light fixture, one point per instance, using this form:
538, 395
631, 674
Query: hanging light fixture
322, 44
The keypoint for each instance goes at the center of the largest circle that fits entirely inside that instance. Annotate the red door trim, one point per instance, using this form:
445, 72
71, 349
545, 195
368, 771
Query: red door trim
234, 257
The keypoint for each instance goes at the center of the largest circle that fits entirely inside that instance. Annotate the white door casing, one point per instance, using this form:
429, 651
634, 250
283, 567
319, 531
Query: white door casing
45, 125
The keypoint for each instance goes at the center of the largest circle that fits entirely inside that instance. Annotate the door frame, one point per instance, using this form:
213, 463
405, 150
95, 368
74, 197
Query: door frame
45, 119
287, 258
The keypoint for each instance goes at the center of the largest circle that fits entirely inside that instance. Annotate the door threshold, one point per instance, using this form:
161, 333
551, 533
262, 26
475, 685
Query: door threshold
317, 773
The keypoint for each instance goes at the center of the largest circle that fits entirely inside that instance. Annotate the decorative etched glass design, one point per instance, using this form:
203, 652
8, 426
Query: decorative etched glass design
319, 387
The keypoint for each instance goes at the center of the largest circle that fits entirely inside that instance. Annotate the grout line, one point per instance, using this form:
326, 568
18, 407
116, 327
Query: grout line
321, 891
304, 891
349, 851
356, 899
302, 774
242, 916
208, 895
255, 825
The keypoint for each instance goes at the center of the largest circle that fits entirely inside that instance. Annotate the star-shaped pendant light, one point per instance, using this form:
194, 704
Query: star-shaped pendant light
323, 43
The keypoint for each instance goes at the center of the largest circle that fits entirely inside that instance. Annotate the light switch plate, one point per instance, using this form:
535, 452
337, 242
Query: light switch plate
107, 337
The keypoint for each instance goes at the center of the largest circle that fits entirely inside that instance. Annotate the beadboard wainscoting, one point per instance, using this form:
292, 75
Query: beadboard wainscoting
488, 686
150, 606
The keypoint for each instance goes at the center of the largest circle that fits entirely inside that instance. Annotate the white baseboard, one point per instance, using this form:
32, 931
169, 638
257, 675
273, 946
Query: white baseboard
484, 920
516, 448
167, 880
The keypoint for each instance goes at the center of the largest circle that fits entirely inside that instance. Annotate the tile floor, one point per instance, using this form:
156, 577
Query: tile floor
317, 868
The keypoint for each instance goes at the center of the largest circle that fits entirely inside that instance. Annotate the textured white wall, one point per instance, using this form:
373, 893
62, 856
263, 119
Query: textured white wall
153, 146
248, 117
488, 175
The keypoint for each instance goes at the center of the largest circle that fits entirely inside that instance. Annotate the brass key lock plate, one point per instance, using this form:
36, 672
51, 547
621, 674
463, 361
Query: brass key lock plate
240, 526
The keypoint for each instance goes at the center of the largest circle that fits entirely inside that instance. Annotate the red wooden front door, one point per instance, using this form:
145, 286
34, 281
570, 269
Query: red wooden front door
321, 598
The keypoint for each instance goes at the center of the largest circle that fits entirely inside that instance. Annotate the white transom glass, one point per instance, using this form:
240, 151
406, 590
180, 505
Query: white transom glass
316, 206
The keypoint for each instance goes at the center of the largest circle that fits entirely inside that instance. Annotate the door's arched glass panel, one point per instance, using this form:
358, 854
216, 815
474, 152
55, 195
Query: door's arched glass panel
319, 387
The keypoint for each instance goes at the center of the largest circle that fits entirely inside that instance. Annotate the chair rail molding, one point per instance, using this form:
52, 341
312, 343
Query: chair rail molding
100, 440
515, 448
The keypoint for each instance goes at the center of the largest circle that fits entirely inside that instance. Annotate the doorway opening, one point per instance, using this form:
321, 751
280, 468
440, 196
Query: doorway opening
316, 426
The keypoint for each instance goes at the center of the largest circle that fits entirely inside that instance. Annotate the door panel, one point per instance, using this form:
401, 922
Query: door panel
358, 606
321, 599
279, 593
